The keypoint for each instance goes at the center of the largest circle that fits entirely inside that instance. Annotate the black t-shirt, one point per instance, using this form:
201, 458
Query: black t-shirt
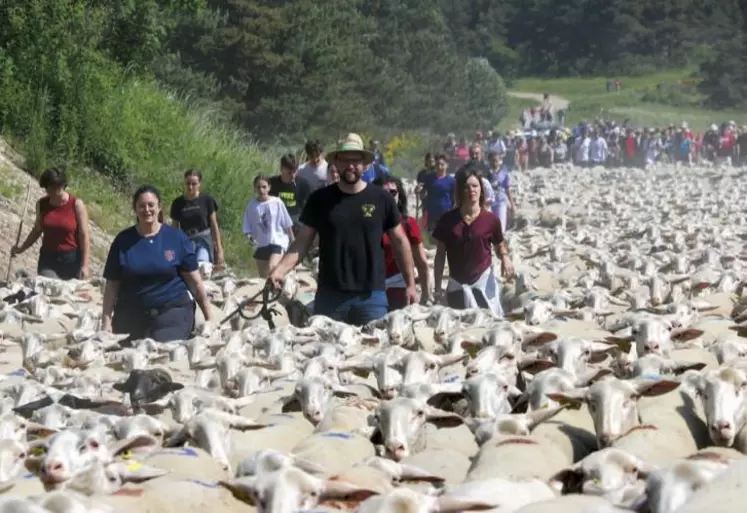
294, 195
193, 215
350, 228
477, 165
424, 175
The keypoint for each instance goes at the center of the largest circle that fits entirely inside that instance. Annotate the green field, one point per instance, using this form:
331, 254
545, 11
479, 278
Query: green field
589, 99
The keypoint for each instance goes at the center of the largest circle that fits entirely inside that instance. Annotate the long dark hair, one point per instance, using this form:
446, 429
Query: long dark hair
401, 195
144, 189
461, 184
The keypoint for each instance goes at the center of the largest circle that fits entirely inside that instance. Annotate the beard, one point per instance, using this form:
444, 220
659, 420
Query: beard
350, 177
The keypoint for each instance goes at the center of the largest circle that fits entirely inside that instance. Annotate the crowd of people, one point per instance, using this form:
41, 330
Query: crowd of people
609, 144
347, 203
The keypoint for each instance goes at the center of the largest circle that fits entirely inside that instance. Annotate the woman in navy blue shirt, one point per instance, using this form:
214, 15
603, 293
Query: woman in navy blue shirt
150, 270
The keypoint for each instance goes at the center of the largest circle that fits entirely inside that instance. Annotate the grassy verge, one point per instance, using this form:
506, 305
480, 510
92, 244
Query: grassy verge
639, 99
158, 137
515, 107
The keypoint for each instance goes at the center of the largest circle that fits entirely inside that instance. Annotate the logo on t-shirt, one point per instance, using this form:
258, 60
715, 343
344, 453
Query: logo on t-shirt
368, 209
169, 255
289, 198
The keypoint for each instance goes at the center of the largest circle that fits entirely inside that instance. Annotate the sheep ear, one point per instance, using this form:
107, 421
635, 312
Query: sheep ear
242, 488
139, 443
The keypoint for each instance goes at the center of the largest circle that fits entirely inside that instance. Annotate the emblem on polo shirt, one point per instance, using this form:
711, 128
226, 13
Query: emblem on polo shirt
368, 209
169, 254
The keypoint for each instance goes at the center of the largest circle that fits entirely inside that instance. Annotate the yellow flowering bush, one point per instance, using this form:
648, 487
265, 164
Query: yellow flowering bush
404, 153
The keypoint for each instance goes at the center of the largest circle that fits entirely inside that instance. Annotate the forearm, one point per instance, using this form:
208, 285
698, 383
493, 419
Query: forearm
31, 239
218, 242
202, 301
297, 250
423, 277
215, 233
85, 248
111, 289
501, 250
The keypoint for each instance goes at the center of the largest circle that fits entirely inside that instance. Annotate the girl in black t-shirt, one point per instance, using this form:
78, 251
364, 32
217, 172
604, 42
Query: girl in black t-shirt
197, 215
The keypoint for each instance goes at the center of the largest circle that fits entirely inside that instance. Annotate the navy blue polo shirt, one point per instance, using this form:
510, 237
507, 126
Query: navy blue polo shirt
148, 268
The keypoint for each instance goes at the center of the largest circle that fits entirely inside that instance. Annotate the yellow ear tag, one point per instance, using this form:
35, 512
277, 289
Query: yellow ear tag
126, 455
134, 466
37, 451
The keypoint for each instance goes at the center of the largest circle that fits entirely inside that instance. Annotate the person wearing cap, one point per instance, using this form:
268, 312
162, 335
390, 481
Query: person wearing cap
350, 217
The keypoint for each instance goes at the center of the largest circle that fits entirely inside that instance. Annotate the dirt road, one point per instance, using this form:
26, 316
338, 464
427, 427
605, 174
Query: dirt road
558, 102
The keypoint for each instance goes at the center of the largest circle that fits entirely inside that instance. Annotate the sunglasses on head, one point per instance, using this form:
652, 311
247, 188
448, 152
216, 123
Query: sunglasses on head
393, 192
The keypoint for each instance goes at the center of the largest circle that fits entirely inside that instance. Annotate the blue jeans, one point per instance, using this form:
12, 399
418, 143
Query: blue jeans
356, 308
202, 251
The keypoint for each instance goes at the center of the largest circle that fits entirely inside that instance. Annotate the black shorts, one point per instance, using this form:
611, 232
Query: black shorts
264, 252
172, 322
64, 265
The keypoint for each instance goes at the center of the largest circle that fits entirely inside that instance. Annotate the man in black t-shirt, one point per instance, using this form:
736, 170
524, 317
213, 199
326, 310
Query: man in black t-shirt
290, 188
351, 218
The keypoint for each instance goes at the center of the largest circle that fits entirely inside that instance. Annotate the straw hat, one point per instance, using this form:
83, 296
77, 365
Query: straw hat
352, 144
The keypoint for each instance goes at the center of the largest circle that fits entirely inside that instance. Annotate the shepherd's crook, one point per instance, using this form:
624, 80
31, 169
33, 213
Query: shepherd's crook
18, 235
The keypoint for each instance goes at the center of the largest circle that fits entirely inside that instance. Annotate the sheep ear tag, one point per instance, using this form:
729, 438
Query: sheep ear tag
134, 466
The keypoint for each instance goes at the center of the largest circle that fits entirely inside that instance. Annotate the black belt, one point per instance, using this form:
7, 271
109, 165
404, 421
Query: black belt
155, 312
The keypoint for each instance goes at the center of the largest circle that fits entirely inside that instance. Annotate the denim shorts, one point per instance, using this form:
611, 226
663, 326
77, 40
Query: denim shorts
356, 308
202, 252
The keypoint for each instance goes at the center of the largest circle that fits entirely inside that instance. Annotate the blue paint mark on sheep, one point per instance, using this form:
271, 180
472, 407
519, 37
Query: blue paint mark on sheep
338, 434
178, 451
29, 476
19, 372
562, 319
451, 379
656, 377
204, 483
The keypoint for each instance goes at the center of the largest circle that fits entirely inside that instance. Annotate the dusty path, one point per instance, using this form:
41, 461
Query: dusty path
13, 185
558, 102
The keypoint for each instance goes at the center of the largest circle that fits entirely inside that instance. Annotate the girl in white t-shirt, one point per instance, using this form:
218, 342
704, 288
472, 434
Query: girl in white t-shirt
268, 226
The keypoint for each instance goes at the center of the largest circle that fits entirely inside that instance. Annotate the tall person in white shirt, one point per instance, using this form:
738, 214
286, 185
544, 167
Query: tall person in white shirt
598, 149
268, 226
582, 147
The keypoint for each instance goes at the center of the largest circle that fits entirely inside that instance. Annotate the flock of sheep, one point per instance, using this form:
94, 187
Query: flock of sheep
616, 382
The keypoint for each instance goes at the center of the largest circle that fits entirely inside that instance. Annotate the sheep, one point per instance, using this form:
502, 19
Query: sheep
289, 489
654, 432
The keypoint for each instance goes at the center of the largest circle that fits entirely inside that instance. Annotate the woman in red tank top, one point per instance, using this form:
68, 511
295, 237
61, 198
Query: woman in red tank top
62, 224
396, 292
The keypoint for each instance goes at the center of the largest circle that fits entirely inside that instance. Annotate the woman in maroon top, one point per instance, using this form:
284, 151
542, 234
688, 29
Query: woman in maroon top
396, 292
466, 237
62, 224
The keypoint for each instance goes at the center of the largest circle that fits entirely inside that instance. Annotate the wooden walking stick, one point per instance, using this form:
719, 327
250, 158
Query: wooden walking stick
18, 235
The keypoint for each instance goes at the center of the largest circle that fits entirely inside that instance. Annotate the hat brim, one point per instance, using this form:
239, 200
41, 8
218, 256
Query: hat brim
368, 157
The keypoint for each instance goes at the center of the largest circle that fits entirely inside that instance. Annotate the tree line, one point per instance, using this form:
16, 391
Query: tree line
302, 67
